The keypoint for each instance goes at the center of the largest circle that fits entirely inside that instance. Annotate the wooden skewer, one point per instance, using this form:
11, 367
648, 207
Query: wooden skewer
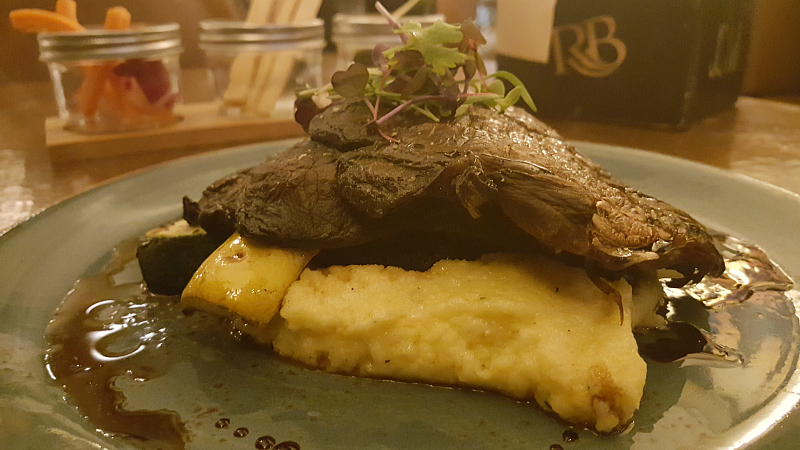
283, 16
256, 83
404, 9
284, 61
286, 12
243, 66
259, 11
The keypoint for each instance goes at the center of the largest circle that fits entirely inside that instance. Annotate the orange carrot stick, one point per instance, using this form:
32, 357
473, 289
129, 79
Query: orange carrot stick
113, 98
117, 18
36, 20
115, 94
67, 8
95, 76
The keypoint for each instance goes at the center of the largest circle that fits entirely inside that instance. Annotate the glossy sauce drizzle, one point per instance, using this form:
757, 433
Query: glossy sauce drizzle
96, 336
109, 326
749, 275
748, 272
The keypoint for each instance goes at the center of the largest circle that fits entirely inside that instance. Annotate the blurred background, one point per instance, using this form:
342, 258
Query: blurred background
19, 52
772, 68
773, 65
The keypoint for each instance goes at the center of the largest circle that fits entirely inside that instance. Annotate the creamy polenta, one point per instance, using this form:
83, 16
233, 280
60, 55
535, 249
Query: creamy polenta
524, 326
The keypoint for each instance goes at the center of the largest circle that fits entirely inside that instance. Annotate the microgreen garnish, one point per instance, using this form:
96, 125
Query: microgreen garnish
436, 71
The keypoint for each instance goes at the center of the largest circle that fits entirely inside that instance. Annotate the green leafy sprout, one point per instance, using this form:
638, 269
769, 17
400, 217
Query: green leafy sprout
436, 72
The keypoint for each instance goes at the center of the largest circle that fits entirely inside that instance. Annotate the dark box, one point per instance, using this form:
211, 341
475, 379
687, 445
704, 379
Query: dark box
653, 62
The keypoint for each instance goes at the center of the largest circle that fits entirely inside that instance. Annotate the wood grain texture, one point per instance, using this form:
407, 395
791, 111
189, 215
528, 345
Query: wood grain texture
200, 125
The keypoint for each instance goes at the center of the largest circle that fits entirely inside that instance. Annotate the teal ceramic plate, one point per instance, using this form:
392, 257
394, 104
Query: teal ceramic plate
207, 375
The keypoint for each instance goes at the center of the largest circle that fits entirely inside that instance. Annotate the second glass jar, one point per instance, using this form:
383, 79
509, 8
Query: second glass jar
258, 68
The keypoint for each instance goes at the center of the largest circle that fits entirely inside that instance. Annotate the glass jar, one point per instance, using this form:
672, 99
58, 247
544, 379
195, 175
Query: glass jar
115, 80
356, 35
256, 69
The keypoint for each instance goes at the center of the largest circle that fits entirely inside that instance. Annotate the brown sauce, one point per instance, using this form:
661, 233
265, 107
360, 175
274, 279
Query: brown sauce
287, 445
108, 327
672, 343
265, 442
95, 337
569, 436
749, 275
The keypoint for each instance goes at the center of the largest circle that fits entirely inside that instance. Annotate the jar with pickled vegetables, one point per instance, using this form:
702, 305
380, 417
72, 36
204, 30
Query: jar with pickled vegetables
115, 80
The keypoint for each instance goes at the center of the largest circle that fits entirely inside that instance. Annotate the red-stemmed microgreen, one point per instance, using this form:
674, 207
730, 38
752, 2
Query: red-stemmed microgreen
436, 71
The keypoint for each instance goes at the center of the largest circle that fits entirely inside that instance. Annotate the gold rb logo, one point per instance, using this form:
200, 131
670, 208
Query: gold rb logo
589, 44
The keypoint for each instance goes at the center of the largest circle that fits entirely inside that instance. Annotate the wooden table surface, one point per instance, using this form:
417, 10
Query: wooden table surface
759, 138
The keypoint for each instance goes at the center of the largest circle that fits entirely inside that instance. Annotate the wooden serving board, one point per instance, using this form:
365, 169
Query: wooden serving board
201, 126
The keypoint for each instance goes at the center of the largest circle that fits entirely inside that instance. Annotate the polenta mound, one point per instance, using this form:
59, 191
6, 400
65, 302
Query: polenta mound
524, 326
